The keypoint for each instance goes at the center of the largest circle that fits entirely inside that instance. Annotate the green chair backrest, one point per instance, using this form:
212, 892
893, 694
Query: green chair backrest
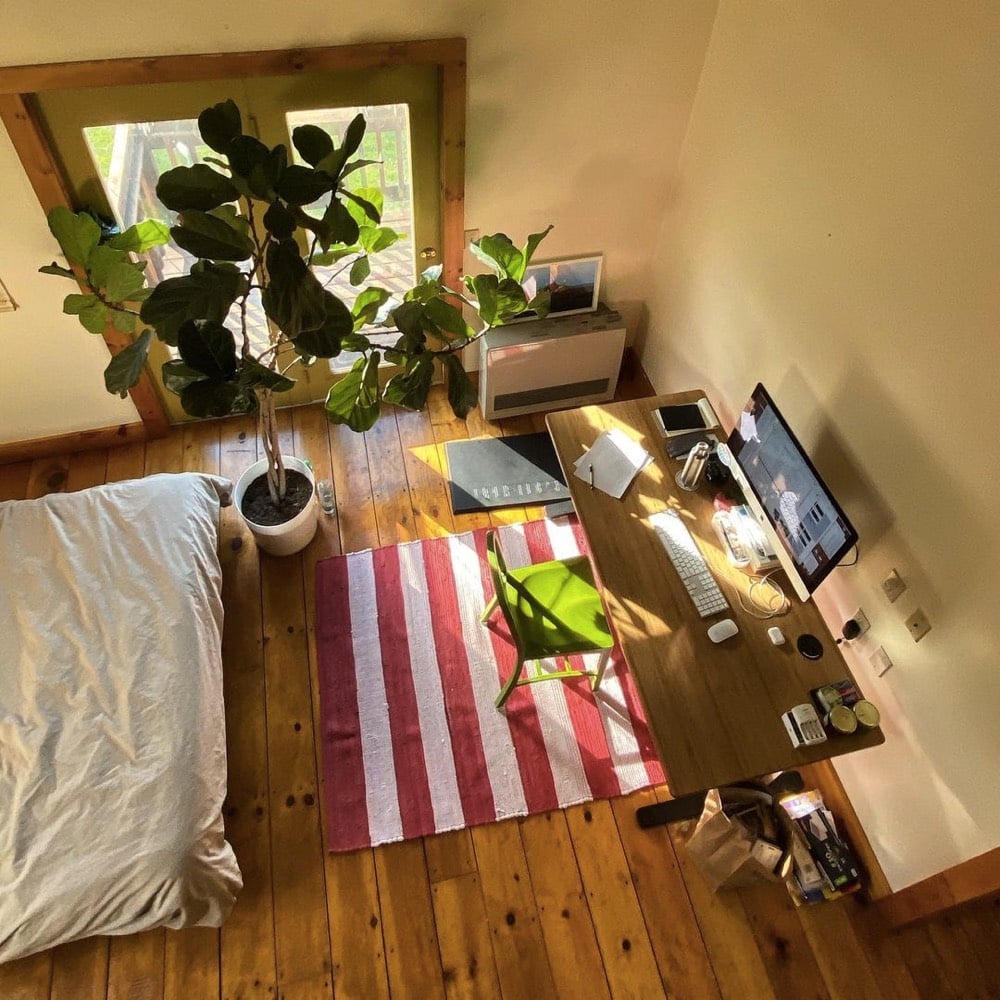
502, 584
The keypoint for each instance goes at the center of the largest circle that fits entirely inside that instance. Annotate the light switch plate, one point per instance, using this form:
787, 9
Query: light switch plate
880, 661
893, 585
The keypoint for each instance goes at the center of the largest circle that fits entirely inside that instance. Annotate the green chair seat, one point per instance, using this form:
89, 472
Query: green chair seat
553, 609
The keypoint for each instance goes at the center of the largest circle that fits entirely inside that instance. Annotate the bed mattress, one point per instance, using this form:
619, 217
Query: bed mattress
112, 731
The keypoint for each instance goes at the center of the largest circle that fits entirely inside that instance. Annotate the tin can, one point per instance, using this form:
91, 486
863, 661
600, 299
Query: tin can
866, 714
841, 720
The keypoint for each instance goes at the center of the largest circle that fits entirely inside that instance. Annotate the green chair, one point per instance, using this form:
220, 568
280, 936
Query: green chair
553, 609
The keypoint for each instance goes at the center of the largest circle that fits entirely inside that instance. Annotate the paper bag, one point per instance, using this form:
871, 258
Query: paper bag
728, 850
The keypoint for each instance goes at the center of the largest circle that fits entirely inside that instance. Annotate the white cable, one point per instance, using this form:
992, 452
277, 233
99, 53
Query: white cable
776, 605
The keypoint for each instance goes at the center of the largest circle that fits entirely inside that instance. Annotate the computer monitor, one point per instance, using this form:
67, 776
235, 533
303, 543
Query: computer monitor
805, 524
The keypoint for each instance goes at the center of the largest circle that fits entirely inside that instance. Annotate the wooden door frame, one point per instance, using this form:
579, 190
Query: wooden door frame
19, 84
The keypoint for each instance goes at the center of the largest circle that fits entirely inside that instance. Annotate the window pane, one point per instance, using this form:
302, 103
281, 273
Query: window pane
129, 159
387, 140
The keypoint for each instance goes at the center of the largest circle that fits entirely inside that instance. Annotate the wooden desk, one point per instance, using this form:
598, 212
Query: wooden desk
714, 711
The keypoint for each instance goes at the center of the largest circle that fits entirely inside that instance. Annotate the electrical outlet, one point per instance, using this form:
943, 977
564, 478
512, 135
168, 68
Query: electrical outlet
918, 625
471, 235
893, 586
862, 619
880, 661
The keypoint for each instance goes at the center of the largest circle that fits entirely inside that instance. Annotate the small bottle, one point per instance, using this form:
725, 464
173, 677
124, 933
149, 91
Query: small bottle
324, 490
689, 477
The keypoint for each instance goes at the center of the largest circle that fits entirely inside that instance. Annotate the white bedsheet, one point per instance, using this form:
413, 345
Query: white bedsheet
112, 733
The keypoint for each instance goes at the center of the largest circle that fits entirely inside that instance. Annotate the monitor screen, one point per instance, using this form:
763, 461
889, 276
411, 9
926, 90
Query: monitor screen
806, 520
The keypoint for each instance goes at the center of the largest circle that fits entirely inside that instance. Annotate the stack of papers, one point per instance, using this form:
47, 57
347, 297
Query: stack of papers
612, 462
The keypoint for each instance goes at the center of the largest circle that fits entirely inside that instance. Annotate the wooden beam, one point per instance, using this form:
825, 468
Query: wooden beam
453, 99
73, 442
227, 65
977, 878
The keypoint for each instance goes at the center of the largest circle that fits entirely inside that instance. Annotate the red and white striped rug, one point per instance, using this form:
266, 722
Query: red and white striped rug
412, 744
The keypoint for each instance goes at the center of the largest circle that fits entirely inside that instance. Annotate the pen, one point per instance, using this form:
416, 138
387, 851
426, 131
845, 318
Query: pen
591, 476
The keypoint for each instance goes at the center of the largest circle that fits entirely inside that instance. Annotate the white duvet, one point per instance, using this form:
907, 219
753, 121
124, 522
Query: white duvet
112, 734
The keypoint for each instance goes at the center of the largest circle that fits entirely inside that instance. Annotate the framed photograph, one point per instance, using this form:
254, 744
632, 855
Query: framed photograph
574, 285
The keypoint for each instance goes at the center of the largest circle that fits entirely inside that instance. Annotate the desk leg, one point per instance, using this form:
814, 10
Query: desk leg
690, 806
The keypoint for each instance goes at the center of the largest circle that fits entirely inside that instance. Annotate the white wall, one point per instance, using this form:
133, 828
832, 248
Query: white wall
576, 116
834, 232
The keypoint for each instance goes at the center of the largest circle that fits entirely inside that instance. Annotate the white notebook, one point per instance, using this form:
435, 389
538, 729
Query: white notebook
612, 462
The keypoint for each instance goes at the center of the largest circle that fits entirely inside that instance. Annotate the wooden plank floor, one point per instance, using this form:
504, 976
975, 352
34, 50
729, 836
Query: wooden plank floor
579, 903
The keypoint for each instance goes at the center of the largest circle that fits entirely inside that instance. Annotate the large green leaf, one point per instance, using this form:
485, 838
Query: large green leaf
498, 252
93, 314
294, 298
367, 305
209, 398
231, 216
207, 292
256, 169
77, 233
461, 391
177, 375
541, 304
334, 161
357, 343
208, 236
339, 225
302, 185
444, 315
116, 273
360, 270
529, 250
209, 348
428, 287
199, 187
354, 400
410, 387
356, 165
54, 268
365, 205
253, 375
220, 125
280, 221
143, 236
327, 340
126, 322
312, 142
484, 288
511, 300
377, 238
126, 366
409, 319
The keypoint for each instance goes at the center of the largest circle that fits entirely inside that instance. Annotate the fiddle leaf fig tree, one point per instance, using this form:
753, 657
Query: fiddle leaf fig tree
242, 216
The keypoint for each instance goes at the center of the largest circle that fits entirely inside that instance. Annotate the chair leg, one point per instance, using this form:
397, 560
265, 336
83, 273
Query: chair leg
510, 685
490, 608
602, 665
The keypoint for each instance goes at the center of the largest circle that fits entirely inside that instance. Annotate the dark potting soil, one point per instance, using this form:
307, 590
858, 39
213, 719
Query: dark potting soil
258, 507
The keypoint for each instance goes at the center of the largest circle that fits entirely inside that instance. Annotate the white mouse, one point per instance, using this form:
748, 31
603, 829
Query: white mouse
721, 631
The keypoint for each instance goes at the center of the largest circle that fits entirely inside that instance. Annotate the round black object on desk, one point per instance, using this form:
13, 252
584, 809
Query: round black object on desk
809, 646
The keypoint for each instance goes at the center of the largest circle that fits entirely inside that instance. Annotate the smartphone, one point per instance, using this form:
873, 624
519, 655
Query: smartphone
682, 418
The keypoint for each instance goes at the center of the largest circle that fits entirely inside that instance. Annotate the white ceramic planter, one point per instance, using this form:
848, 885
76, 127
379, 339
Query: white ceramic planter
292, 536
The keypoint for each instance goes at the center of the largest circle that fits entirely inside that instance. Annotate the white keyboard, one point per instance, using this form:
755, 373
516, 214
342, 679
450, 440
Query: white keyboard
689, 563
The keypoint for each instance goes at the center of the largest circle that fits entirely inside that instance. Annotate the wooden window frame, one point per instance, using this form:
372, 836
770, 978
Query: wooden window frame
19, 84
